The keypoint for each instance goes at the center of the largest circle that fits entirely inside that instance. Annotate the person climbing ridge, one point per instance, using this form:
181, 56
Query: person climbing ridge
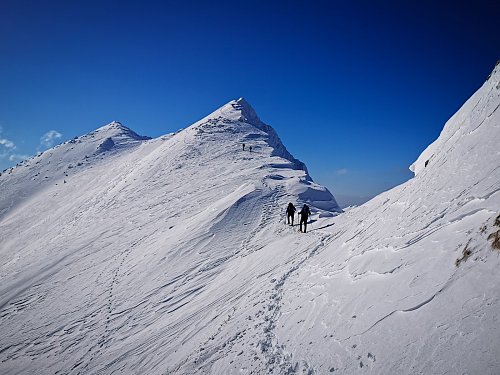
250, 148
243, 147
290, 212
304, 215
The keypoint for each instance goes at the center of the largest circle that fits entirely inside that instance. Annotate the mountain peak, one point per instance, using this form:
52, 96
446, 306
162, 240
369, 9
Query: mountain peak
113, 125
116, 129
237, 110
239, 113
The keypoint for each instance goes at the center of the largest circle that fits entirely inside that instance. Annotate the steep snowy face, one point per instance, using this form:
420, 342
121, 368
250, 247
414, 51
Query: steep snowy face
241, 112
236, 132
408, 283
457, 130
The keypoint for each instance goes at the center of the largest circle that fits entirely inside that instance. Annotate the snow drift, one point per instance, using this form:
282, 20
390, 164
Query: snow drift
171, 255
409, 282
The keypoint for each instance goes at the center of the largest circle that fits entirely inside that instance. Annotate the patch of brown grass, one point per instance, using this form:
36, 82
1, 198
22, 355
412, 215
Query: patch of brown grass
495, 239
497, 221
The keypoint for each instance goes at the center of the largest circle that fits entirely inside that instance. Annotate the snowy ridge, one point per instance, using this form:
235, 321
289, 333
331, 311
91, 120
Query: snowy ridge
145, 250
479, 108
240, 111
59, 163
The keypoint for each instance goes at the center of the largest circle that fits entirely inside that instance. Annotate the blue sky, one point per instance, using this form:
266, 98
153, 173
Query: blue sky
354, 89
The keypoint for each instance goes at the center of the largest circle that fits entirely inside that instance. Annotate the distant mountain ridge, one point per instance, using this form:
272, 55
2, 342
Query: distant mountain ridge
59, 162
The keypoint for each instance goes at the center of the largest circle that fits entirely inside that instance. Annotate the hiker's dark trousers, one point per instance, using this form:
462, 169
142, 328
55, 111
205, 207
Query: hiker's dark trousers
290, 216
305, 224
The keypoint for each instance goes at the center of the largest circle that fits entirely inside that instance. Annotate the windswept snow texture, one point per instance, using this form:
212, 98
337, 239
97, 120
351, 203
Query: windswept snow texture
391, 291
171, 256
120, 253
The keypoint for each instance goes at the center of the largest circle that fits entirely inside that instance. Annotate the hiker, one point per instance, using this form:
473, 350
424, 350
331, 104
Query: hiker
250, 148
290, 212
304, 215
243, 147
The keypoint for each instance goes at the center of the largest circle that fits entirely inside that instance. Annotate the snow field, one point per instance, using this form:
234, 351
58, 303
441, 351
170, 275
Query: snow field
386, 295
150, 252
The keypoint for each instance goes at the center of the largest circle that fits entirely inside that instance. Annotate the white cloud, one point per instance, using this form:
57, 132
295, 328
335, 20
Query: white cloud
342, 171
50, 138
6, 146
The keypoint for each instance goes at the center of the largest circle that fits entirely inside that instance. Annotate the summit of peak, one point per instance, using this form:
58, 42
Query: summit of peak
246, 110
117, 129
241, 104
236, 110
240, 110
113, 125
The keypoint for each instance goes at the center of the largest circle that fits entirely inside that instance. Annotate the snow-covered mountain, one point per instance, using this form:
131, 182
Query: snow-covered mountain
171, 255
58, 163
112, 240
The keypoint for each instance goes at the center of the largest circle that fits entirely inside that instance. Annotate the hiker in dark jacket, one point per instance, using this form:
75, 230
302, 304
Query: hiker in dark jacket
290, 212
304, 215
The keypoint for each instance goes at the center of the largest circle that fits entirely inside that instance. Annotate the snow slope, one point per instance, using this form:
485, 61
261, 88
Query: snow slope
33, 175
171, 255
386, 295
128, 254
